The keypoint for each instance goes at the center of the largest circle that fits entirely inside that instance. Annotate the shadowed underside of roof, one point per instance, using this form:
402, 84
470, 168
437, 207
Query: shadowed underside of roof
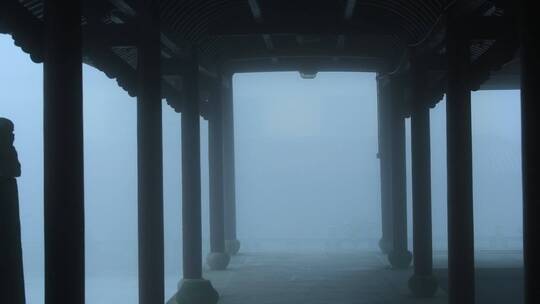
267, 35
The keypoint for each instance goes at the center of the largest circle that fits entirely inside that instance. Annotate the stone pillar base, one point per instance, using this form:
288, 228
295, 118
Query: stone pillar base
400, 259
423, 286
195, 292
385, 246
232, 247
218, 260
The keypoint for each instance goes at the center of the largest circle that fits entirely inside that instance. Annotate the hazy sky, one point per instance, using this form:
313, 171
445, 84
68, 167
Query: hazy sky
305, 162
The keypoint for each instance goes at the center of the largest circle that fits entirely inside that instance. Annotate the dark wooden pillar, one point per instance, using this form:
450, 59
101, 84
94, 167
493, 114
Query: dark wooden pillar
530, 153
193, 288
399, 257
11, 263
459, 166
422, 283
385, 159
191, 180
63, 153
150, 156
232, 244
217, 259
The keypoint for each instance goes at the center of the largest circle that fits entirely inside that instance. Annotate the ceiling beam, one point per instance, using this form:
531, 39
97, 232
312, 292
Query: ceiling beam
350, 6
483, 27
300, 64
124, 7
255, 10
257, 15
125, 34
490, 27
177, 66
110, 35
172, 52
292, 27
302, 52
169, 47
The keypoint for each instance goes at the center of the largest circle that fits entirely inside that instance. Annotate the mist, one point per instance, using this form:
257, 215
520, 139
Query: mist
307, 173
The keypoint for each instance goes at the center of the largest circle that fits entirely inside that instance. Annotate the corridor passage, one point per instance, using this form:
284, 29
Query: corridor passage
318, 278
356, 278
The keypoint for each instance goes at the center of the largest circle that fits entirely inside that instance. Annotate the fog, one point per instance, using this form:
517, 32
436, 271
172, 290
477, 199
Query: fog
307, 175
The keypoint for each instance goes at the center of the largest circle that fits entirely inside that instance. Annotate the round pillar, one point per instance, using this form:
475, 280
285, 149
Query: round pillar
399, 257
461, 282
150, 157
63, 153
193, 288
530, 95
232, 244
422, 283
218, 258
384, 155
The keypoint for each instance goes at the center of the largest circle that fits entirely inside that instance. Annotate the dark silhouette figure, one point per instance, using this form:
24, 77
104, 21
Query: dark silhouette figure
11, 266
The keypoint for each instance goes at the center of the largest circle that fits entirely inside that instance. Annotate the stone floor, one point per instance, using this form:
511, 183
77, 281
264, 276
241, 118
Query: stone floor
499, 276
348, 278
315, 278
355, 278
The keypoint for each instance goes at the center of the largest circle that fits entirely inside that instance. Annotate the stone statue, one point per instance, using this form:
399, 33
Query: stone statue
11, 266
9, 163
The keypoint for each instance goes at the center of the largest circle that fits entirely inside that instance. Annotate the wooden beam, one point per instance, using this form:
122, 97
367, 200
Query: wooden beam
257, 15
304, 52
174, 47
178, 66
296, 64
349, 9
479, 27
124, 7
284, 27
350, 6
110, 35
490, 27
255, 10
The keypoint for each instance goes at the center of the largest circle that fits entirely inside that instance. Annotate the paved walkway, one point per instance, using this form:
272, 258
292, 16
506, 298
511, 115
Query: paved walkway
499, 276
315, 279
